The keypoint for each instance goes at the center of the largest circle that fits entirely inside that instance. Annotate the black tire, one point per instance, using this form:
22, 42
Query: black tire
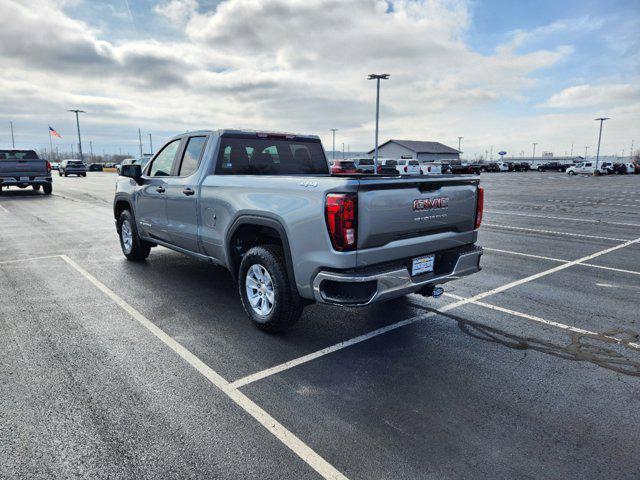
48, 188
139, 249
66, 174
59, 173
571, 172
35, 187
287, 305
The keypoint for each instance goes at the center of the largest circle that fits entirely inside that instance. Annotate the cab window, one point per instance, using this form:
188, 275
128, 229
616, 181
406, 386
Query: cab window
161, 166
191, 156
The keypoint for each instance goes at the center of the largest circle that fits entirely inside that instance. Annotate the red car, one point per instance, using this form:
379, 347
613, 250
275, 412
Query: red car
343, 167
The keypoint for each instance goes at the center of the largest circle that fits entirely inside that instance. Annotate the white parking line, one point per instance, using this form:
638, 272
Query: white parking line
339, 346
546, 322
621, 270
4, 209
28, 259
309, 456
540, 257
553, 232
584, 220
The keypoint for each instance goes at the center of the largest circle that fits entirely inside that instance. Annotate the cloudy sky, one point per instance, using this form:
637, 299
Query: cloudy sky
500, 73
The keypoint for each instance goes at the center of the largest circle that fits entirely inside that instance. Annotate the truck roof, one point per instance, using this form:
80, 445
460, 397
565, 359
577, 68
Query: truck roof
235, 131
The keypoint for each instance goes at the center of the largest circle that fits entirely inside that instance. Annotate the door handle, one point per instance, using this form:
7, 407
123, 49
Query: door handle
188, 191
160, 189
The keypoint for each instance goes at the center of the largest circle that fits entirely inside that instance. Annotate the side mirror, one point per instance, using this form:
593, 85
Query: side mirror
132, 171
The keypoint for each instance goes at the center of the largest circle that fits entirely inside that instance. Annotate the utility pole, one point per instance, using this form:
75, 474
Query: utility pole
333, 151
343, 150
601, 120
91, 149
631, 151
459, 143
150, 145
13, 142
572, 149
585, 152
140, 139
78, 125
377, 78
534, 149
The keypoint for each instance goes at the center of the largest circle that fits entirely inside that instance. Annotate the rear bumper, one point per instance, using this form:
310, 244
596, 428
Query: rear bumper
18, 181
367, 287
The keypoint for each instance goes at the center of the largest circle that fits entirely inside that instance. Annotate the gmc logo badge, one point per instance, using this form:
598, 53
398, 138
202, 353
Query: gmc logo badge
430, 203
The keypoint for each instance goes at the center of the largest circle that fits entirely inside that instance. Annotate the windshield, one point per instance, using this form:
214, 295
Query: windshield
18, 155
266, 156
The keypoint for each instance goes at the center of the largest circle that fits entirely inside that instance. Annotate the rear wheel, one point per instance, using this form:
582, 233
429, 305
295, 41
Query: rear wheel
267, 296
48, 188
35, 187
133, 247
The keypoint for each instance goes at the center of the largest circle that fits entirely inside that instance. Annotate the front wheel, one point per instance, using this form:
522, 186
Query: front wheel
267, 296
133, 247
48, 188
35, 187
571, 172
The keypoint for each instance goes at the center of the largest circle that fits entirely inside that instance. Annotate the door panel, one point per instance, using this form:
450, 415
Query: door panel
151, 209
182, 196
151, 205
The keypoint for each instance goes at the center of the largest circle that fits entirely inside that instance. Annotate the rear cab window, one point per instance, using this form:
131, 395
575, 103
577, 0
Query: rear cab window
239, 155
18, 155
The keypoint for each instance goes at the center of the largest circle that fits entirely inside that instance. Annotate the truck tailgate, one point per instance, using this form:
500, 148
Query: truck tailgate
402, 217
23, 168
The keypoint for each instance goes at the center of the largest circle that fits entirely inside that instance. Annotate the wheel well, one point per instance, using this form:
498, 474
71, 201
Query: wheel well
248, 236
120, 206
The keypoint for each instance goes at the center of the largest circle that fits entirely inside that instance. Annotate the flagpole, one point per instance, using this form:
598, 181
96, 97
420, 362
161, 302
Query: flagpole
50, 144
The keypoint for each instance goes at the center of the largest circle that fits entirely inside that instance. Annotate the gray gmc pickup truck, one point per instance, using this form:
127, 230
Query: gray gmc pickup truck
23, 168
264, 206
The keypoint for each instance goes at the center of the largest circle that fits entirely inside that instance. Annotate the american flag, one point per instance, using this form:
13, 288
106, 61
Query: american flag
54, 133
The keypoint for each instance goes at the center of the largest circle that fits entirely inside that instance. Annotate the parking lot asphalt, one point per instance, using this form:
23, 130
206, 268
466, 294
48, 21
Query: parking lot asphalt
529, 369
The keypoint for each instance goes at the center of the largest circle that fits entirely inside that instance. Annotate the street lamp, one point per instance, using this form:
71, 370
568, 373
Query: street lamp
333, 151
534, 149
459, 143
601, 120
377, 78
585, 151
78, 125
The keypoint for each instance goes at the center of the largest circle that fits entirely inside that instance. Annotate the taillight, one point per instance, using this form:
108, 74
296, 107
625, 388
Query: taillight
479, 207
48, 166
341, 216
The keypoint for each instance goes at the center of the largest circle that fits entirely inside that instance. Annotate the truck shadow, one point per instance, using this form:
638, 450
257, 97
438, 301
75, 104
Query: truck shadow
600, 349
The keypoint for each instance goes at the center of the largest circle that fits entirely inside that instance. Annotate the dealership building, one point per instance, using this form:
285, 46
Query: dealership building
419, 150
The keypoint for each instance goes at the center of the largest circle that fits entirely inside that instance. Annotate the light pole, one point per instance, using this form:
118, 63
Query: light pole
13, 142
91, 150
78, 125
140, 140
572, 149
534, 149
601, 120
377, 78
150, 145
459, 143
333, 150
585, 152
343, 150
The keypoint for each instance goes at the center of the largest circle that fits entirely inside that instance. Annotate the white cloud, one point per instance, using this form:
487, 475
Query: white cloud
608, 95
178, 11
295, 65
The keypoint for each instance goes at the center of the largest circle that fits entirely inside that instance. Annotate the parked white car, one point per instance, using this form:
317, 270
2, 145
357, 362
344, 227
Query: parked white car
431, 168
408, 167
586, 167
503, 166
